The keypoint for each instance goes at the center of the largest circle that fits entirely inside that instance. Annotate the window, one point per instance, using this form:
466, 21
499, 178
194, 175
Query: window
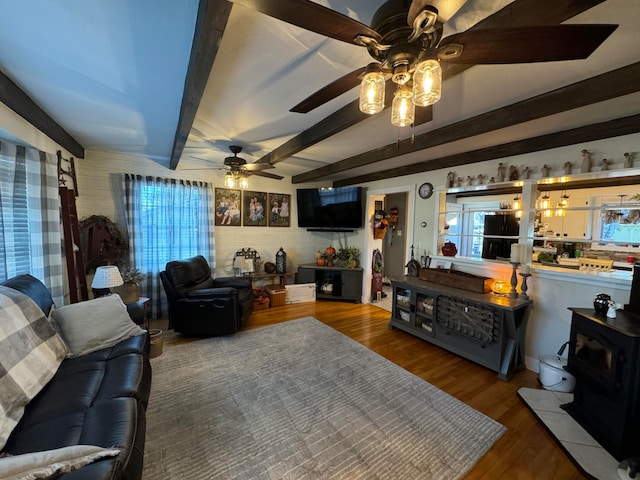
30, 216
166, 220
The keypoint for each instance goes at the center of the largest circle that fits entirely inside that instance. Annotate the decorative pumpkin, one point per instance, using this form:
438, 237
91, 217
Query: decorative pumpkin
330, 250
320, 261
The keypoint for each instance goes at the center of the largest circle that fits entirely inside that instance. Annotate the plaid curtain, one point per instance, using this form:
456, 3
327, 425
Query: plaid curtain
166, 219
30, 216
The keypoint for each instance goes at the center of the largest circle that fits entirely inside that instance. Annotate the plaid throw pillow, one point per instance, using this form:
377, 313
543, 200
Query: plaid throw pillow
30, 353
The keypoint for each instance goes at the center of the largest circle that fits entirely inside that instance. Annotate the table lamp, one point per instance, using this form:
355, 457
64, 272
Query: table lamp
105, 278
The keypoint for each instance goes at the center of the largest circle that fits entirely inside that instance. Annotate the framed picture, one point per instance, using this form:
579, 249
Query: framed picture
279, 210
254, 207
228, 207
442, 264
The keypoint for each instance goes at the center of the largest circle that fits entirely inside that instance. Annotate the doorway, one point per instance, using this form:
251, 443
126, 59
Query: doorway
395, 244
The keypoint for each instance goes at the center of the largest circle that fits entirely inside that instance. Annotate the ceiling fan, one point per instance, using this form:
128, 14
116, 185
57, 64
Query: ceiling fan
406, 42
238, 170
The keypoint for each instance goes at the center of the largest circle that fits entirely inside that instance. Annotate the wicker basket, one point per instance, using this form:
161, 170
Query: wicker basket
277, 295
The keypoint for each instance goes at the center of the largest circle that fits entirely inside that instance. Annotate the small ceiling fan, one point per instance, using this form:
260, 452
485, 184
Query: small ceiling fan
406, 43
238, 170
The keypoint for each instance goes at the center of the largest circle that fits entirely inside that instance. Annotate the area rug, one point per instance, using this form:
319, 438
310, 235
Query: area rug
299, 400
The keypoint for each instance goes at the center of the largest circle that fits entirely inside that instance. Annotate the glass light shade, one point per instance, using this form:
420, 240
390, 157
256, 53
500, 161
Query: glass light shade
107, 277
403, 110
229, 181
501, 287
244, 183
427, 83
545, 201
372, 93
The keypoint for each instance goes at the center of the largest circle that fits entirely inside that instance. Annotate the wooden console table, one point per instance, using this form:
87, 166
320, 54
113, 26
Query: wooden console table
481, 327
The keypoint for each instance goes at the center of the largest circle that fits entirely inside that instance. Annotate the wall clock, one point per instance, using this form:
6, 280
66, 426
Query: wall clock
425, 190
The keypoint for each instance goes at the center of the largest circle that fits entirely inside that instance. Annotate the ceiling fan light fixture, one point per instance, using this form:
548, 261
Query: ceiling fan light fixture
427, 82
372, 90
244, 183
403, 111
229, 180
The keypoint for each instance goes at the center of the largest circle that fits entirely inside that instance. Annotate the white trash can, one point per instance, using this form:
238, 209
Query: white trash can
553, 376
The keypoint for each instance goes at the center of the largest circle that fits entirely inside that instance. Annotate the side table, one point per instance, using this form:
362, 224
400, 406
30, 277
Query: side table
139, 310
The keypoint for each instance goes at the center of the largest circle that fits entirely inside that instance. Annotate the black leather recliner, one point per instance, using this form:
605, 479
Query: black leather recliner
200, 305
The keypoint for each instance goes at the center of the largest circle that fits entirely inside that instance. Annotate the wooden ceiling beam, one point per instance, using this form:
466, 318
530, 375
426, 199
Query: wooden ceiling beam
616, 83
517, 13
21, 103
589, 133
210, 24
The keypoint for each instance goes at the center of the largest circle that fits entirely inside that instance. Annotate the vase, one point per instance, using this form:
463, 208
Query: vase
601, 303
449, 249
129, 292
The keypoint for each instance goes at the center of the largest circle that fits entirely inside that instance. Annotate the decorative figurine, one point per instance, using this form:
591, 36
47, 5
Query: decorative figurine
470, 181
458, 181
500, 177
567, 168
526, 172
545, 170
586, 161
628, 160
481, 178
492, 180
451, 178
605, 164
513, 173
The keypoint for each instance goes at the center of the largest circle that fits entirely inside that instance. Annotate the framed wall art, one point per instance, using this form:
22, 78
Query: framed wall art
254, 205
228, 207
279, 210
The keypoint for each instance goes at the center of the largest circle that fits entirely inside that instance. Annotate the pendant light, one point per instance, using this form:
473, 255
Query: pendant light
427, 82
403, 110
229, 180
372, 90
244, 183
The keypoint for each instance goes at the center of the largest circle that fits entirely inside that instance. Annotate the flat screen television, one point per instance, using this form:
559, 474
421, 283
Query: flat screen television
338, 208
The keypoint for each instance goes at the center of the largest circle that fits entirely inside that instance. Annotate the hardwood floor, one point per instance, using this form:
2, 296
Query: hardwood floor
525, 451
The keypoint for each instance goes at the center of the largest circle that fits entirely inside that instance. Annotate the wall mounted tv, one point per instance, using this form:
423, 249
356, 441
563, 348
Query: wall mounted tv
332, 209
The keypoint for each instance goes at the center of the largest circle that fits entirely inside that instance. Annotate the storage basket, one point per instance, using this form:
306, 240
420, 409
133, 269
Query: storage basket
277, 295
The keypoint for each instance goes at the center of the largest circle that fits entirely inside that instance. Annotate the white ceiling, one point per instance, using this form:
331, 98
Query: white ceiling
112, 73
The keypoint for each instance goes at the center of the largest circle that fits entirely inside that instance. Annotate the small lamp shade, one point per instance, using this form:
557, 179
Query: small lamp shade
107, 277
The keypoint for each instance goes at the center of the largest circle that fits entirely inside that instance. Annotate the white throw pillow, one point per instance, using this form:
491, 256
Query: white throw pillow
51, 463
94, 324
30, 353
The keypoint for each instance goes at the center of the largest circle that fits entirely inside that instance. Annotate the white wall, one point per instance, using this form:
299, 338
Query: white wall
550, 318
99, 183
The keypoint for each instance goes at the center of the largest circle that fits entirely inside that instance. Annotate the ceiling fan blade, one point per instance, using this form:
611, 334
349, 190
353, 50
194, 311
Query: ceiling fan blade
253, 167
267, 175
446, 8
547, 43
313, 17
331, 91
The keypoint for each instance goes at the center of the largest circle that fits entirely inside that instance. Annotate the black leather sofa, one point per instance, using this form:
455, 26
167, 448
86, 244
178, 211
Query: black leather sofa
200, 305
96, 399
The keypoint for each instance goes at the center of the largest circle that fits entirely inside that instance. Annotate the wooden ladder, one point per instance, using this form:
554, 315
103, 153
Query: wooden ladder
76, 275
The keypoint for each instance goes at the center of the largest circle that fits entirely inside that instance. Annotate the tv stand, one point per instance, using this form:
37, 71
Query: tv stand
346, 283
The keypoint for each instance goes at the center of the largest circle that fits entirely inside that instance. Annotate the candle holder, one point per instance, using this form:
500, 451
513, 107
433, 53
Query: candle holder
523, 287
514, 280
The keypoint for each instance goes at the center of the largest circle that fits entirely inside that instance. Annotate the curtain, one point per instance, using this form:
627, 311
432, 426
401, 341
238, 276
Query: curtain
30, 241
166, 219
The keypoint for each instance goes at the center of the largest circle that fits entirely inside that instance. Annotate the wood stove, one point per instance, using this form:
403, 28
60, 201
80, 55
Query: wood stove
604, 356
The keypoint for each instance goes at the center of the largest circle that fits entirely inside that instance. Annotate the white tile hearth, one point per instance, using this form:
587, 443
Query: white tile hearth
575, 440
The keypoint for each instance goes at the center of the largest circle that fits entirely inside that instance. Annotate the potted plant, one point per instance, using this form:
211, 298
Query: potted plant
348, 257
130, 290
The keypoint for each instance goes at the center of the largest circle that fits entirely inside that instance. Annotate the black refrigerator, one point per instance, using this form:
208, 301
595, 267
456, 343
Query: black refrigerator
505, 225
